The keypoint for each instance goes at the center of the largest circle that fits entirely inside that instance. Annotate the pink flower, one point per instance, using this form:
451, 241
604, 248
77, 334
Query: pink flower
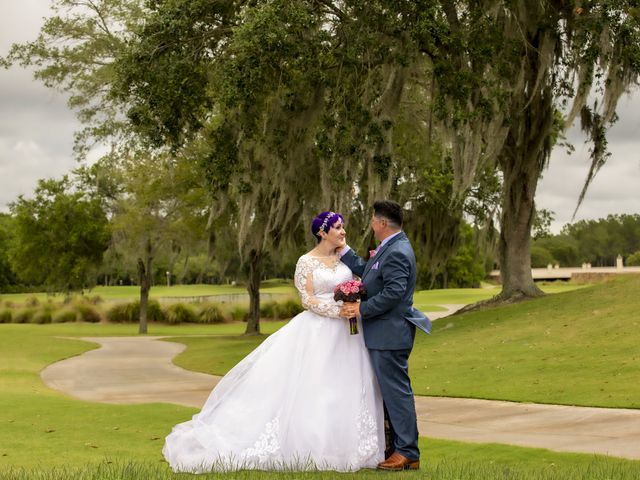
372, 253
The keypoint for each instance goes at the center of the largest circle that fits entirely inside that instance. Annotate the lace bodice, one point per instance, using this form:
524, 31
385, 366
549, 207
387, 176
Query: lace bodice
315, 282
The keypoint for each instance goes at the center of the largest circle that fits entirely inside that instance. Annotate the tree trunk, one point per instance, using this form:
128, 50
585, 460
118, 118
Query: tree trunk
518, 210
525, 153
144, 277
522, 159
255, 268
184, 270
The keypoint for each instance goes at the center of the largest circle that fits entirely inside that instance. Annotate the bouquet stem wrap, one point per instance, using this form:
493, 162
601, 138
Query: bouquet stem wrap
353, 325
351, 291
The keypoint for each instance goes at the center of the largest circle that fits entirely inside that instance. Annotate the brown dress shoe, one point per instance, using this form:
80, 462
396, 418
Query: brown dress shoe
397, 462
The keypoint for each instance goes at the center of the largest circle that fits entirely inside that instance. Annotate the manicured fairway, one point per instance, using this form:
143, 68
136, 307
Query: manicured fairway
47, 435
427, 300
577, 347
162, 291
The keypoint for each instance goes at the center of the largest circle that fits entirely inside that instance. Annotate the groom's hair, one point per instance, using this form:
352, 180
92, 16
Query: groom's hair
390, 210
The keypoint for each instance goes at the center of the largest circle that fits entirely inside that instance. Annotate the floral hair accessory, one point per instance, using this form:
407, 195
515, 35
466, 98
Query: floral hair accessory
325, 222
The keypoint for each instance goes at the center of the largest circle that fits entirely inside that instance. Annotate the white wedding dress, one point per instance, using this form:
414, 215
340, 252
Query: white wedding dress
305, 399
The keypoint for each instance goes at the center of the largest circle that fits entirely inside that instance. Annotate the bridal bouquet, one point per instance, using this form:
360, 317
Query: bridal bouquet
350, 291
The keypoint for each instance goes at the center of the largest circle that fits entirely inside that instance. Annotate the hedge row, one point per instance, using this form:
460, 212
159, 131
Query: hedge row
130, 313
48, 314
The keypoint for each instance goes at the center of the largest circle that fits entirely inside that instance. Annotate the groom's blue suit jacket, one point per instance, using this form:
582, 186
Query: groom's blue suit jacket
388, 317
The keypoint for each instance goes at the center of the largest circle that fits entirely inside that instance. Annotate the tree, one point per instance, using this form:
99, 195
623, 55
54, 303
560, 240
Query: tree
60, 237
157, 208
633, 260
75, 53
541, 257
316, 89
309, 94
599, 242
542, 223
7, 276
257, 115
563, 249
548, 57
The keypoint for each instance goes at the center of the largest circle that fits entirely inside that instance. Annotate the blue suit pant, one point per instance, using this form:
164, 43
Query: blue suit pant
392, 370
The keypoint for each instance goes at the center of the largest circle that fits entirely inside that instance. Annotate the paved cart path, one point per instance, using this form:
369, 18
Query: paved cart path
140, 370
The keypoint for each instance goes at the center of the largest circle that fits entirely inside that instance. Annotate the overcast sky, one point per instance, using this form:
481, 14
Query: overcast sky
36, 138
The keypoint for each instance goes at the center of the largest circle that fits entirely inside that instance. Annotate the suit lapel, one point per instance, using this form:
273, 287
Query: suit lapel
378, 255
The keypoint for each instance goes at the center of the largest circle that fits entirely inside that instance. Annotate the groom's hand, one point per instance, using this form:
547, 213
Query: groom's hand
350, 310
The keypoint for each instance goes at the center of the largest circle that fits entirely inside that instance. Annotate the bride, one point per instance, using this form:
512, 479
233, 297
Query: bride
306, 398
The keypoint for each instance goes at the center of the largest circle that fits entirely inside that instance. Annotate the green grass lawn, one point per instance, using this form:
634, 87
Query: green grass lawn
524, 352
132, 292
576, 348
472, 295
521, 352
50, 436
47, 435
426, 300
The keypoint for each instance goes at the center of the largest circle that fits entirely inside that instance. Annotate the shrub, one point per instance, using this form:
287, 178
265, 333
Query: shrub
180, 313
117, 313
130, 312
87, 314
290, 308
65, 316
9, 304
32, 302
211, 314
633, 260
269, 310
5, 316
41, 316
239, 313
154, 311
24, 316
95, 299
280, 310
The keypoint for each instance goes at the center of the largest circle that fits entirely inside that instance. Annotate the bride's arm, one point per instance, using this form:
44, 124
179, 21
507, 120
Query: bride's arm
303, 280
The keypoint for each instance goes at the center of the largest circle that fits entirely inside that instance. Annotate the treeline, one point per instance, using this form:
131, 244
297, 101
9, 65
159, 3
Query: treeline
106, 225
598, 242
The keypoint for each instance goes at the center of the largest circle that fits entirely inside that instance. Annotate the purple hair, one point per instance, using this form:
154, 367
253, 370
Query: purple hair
323, 222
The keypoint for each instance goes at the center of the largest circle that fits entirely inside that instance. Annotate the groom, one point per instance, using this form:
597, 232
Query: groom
389, 326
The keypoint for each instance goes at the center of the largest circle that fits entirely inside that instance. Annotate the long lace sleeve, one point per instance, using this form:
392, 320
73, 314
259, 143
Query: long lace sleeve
303, 280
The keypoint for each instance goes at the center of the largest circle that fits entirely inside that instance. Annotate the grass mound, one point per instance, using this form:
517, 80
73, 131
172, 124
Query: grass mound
575, 348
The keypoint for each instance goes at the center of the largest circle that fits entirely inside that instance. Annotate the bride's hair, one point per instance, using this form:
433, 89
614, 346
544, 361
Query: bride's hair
323, 222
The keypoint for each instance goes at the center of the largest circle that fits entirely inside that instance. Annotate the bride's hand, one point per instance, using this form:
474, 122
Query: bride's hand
350, 310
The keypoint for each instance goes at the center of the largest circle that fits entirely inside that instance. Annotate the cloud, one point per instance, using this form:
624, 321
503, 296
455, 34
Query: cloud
36, 127
615, 188
36, 136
